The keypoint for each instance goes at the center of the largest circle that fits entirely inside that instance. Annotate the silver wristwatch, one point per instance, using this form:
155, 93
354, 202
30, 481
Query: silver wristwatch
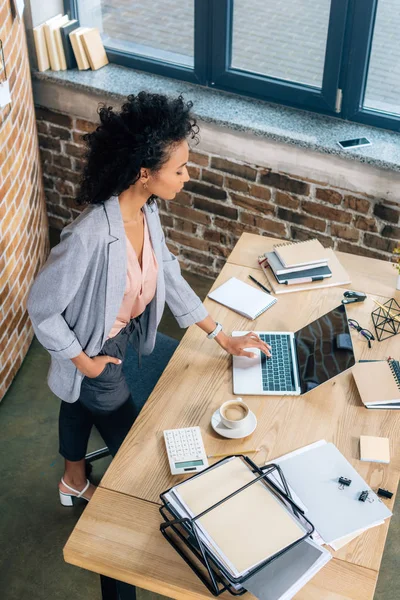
215, 332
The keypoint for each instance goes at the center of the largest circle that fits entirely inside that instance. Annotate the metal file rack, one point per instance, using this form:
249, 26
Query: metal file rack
183, 533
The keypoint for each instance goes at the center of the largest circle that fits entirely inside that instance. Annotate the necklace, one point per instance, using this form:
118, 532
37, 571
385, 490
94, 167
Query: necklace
136, 221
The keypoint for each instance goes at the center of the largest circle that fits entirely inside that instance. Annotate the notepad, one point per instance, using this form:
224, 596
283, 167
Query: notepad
295, 254
374, 449
378, 383
249, 527
242, 298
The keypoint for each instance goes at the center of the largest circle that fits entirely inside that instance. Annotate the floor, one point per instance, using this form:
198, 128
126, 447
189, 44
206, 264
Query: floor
34, 527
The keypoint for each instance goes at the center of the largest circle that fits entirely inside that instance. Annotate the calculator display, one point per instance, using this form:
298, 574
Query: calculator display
189, 463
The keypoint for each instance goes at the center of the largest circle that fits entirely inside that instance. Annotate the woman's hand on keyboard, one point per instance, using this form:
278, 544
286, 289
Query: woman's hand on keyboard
237, 345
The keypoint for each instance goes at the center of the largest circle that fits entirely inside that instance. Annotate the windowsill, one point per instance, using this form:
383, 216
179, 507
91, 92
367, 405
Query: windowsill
272, 121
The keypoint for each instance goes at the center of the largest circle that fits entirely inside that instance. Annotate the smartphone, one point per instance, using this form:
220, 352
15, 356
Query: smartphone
354, 143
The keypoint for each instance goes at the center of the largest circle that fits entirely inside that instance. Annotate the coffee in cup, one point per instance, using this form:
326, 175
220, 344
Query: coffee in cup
234, 413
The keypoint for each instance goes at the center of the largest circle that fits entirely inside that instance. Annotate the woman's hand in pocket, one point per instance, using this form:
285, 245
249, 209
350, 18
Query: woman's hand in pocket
93, 367
99, 364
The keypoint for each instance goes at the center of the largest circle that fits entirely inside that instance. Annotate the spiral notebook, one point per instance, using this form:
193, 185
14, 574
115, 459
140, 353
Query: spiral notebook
296, 254
378, 383
242, 298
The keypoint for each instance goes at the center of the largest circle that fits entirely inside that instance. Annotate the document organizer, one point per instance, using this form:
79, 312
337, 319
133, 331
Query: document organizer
182, 533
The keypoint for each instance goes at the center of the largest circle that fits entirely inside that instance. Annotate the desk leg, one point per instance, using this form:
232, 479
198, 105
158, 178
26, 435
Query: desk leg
111, 589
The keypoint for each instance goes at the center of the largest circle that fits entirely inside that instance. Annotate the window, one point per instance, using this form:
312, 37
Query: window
337, 57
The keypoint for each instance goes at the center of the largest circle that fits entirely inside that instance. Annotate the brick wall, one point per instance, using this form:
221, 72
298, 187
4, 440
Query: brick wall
225, 198
23, 221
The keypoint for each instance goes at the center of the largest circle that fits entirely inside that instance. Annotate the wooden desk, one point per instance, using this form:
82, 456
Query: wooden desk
195, 383
118, 536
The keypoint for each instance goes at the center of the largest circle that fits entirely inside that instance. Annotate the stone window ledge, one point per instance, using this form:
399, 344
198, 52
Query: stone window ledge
271, 121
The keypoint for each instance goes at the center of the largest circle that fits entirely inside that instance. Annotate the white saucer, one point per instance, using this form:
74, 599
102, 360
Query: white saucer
233, 433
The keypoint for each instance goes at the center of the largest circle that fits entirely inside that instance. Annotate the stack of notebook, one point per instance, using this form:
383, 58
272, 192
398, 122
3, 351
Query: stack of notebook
247, 529
62, 44
296, 266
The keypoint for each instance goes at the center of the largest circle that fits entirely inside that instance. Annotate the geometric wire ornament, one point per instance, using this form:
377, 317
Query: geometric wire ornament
385, 323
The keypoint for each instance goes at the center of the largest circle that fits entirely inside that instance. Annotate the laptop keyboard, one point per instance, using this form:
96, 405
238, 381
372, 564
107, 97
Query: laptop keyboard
277, 371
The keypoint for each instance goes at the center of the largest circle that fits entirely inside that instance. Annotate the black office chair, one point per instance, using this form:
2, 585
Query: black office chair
140, 381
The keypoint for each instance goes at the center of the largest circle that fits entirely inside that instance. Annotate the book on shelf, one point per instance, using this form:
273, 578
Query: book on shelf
51, 42
78, 48
65, 30
42, 54
94, 48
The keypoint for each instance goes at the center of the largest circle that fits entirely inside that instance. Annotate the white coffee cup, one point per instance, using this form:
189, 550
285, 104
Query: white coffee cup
234, 414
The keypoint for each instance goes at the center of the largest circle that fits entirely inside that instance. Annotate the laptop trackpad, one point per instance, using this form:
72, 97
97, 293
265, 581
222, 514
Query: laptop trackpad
246, 363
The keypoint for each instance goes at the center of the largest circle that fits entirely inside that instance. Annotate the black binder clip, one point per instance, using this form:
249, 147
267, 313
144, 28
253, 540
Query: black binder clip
344, 482
365, 496
384, 493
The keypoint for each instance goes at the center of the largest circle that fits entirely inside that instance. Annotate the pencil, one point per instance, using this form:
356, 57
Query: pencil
387, 311
240, 452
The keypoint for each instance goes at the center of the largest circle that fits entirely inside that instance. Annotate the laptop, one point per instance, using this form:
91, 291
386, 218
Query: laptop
300, 361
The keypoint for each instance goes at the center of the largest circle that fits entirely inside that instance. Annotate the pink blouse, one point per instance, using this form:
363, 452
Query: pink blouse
140, 283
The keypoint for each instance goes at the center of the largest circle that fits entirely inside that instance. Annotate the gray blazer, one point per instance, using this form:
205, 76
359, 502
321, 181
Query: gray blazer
75, 299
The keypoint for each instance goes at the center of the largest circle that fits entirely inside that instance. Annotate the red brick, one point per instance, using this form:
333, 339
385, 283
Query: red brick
365, 223
60, 132
185, 226
260, 191
386, 213
48, 142
301, 235
183, 198
187, 240
189, 213
198, 158
221, 164
196, 257
213, 178
359, 250
215, 208
326, 212
43, 114
267, 225
301, 219
252, 204
209, 191
74, 150
285, 183
194, 172
342, 231
83, 125
239, 185
389, 231
327, 195
379, 243
217, 237
286, 200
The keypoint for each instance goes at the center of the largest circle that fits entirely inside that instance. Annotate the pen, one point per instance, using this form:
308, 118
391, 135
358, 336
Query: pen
240, 452
259, 284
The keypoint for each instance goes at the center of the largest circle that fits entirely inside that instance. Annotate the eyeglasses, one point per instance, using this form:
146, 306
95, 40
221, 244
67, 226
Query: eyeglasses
365, 332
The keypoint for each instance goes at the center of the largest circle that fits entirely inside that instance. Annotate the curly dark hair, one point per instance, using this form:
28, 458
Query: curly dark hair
140, 135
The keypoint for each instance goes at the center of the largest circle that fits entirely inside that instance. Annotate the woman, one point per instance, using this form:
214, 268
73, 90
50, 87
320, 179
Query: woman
108, 279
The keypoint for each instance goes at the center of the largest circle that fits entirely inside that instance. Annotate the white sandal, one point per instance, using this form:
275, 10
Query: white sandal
67, 499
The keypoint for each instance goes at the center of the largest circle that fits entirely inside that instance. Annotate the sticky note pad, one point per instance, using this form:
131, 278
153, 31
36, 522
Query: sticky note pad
374, 449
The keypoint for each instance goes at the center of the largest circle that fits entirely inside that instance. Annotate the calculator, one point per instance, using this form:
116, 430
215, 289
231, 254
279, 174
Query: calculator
185, 449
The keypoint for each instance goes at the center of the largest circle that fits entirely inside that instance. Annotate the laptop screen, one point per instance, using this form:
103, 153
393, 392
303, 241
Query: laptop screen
324, 349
